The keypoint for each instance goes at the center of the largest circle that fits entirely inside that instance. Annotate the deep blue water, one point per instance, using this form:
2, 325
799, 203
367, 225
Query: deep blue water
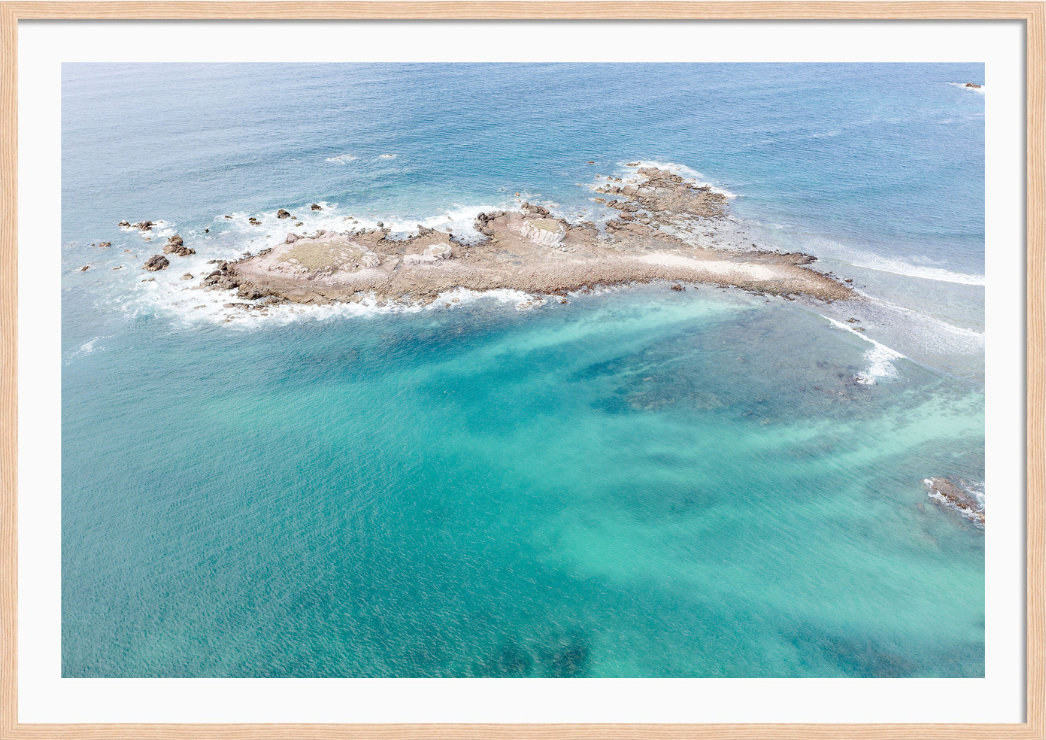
640, 483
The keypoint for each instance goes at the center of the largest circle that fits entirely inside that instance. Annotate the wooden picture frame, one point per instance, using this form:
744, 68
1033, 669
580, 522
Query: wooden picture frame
1032, 14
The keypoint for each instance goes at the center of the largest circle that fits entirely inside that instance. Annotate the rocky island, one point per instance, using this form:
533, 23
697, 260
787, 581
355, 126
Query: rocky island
530, 250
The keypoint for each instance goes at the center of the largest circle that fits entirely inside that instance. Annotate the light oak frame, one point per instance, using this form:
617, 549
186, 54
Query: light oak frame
1033, 14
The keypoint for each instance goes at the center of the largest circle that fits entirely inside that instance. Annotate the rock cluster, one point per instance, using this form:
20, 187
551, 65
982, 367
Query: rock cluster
175, 245
484, 220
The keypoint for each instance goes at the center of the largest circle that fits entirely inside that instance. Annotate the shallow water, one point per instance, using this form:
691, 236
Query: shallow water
639, 483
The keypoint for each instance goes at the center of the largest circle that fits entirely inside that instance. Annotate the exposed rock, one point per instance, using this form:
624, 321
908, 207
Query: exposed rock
105, 244
439, 251
187, 276
678, 287
283, 214
176, 239
369, 259
178, 249
970, 84
156, 262
125, 224
951, 496
144, 225
545, 231
85, 268
291, 238
316, 207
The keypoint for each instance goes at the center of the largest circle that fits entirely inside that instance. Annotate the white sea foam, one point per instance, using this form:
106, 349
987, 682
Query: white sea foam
880, 263
342, 158
386, 156
677, 169
880, 358
85, 349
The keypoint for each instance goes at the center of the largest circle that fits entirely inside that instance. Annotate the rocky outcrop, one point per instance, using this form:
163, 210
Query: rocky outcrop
370, 259
283, 214
291, 238
971, 84
175, 245
546, 231
316, 207
156, 262
187, 276
144, 225
105, 244
950, 496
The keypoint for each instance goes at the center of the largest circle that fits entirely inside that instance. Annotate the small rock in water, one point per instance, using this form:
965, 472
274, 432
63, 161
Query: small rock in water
187, 276
678, 287
85, 268
229, 217
105, 244
282, 213
316, 207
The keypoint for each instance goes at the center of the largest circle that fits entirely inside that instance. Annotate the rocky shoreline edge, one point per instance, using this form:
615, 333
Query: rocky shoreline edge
529, 250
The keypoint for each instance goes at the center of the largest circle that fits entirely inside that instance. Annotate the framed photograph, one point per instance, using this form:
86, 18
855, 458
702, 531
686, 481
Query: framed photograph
532, 370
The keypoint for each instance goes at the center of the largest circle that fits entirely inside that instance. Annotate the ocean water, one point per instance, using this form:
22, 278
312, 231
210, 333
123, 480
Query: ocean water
639, 483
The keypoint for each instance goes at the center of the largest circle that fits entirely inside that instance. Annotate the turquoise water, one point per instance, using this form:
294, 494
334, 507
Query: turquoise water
639, 483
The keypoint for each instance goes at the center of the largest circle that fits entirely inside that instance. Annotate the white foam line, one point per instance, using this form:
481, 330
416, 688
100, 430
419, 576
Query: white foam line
880, 357
899, 267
